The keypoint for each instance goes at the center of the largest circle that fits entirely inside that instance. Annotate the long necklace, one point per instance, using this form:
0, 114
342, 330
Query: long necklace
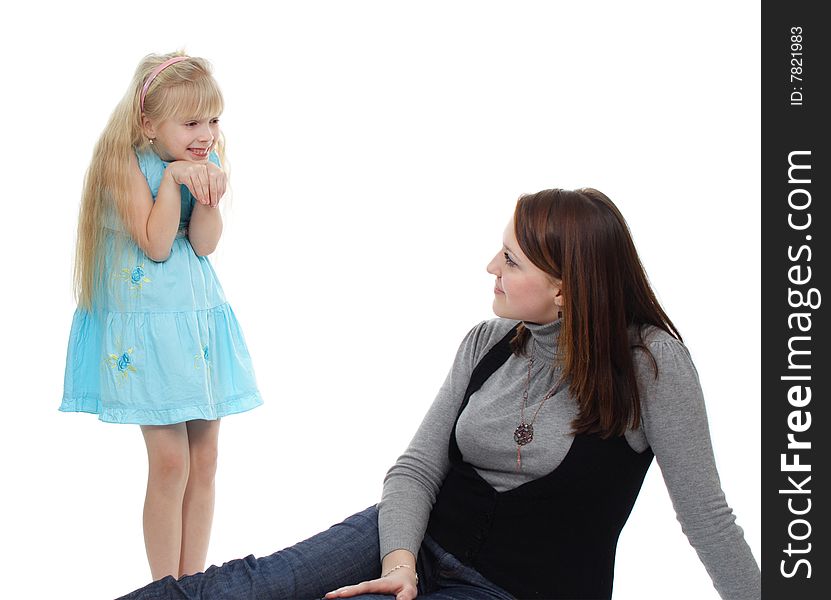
524, 432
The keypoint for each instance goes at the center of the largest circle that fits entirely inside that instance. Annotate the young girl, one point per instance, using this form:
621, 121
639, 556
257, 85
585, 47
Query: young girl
153, 340
522, 474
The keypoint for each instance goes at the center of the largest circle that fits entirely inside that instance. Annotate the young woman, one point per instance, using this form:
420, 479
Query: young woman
525, 469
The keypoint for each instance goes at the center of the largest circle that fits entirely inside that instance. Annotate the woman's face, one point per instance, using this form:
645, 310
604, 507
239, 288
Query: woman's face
522, 291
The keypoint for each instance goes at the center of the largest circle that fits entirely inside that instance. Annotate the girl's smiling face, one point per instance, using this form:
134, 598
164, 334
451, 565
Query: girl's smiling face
522, 292
183, 139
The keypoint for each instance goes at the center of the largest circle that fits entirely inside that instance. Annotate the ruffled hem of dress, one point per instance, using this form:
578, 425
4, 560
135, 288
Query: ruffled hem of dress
211, 412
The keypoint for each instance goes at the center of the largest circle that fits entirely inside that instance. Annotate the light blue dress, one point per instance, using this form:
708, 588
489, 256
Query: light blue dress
161, 344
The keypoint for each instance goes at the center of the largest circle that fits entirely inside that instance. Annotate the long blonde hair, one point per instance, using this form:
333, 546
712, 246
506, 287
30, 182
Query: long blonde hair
186, 88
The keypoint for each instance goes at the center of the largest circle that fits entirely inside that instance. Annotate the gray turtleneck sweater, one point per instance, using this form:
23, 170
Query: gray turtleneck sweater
673, 424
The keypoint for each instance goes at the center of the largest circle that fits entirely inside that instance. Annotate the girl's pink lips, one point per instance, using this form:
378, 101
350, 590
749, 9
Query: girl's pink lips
200, 152
496, 290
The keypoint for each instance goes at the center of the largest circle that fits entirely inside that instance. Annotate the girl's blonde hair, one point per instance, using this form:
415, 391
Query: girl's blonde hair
185, 89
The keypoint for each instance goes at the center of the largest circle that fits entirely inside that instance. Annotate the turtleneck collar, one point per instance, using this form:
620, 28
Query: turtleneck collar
545, 338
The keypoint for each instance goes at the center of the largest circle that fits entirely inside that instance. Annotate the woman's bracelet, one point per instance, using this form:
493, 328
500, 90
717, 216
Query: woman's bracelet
396, 567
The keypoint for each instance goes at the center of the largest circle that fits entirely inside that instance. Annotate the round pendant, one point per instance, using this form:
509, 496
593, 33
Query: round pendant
524, 433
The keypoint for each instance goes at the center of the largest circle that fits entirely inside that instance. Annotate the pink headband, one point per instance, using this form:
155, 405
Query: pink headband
155, 73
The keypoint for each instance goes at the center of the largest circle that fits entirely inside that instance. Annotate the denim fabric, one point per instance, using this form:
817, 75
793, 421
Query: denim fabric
443, 577
344, 554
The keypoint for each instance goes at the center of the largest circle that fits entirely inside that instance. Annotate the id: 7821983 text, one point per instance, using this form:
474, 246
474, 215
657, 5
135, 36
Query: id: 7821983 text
796, 66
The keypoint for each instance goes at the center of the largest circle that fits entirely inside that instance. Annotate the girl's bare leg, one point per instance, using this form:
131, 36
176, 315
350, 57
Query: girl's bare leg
198, 505
168, 461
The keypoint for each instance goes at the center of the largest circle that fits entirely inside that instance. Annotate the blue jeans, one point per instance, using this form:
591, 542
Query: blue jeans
344, 554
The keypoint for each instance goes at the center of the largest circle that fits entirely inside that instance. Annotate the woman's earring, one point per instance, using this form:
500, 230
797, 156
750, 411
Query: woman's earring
150, 140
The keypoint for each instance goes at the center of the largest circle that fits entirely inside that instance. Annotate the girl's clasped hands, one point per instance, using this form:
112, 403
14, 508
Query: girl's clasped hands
206, 181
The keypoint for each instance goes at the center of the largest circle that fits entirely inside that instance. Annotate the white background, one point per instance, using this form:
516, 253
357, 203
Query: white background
377, 150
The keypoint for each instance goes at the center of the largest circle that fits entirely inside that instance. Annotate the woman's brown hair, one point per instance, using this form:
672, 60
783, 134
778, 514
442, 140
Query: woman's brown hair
580, 238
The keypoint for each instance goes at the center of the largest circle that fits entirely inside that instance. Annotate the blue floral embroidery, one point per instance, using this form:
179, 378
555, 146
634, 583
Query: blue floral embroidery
122, 364
135, 277
201, 357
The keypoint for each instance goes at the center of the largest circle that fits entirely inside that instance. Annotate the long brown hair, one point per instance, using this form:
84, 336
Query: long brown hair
186, 87
580, 238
